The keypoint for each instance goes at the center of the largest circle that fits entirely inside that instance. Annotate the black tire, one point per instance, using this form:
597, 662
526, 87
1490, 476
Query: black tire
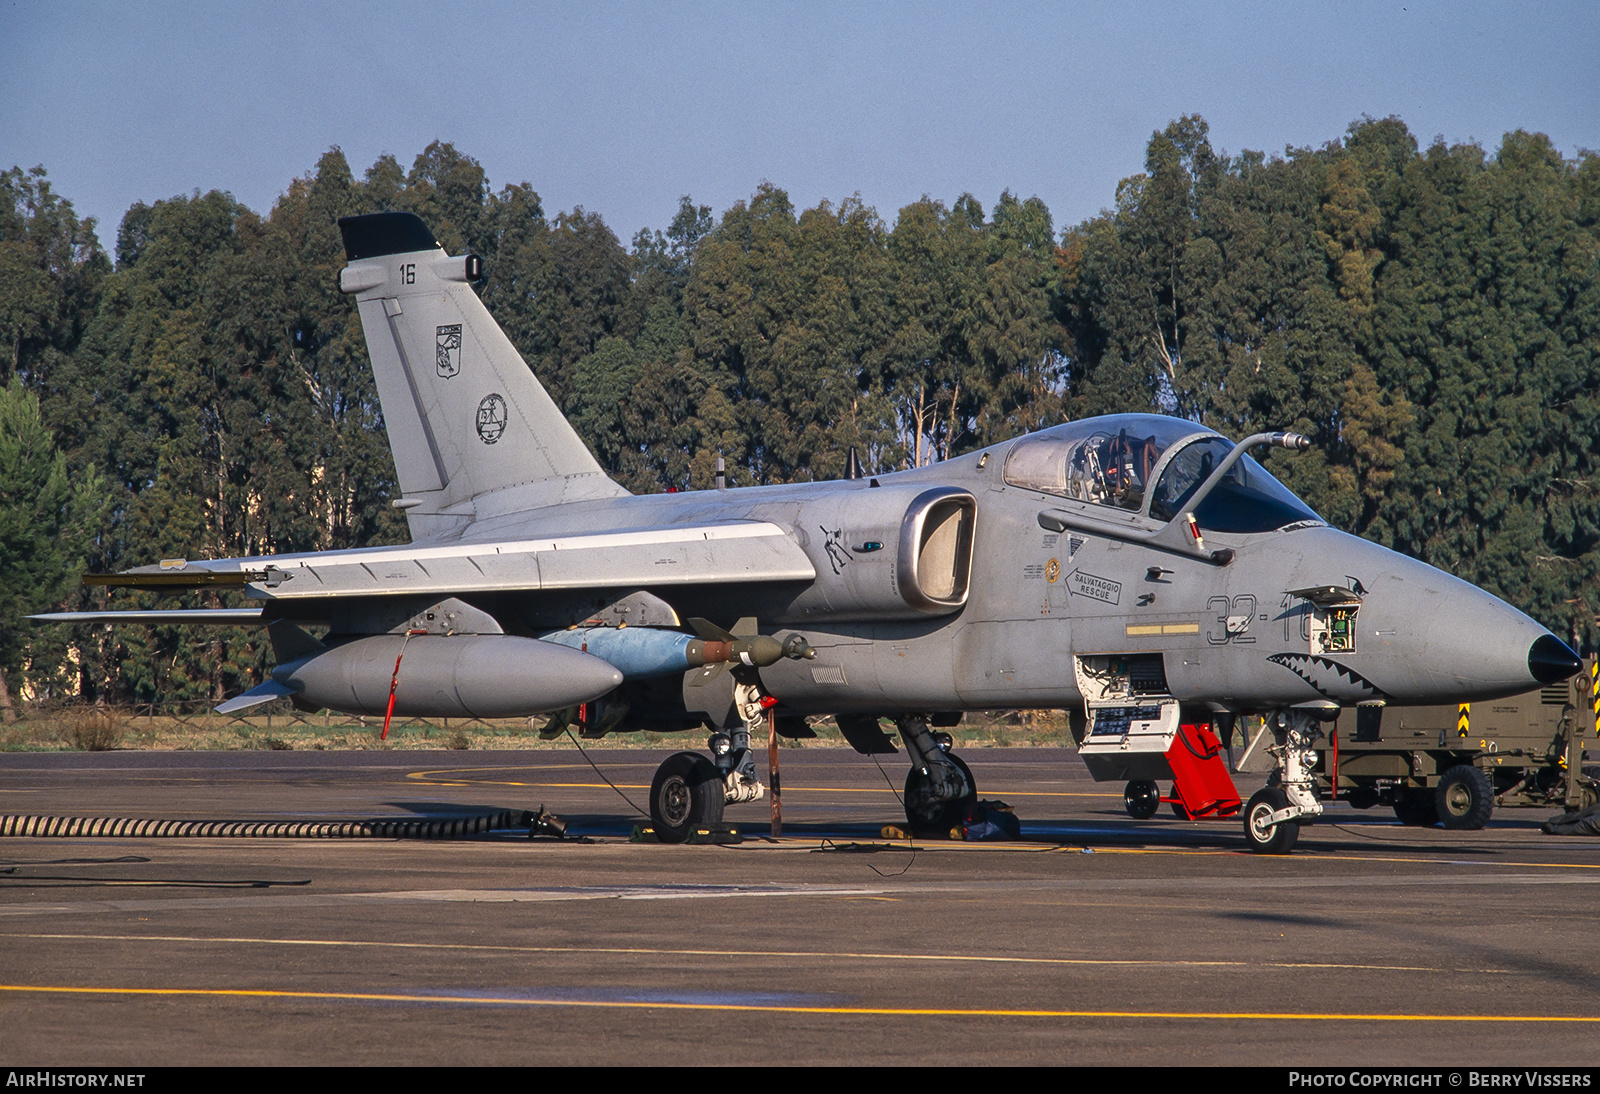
1177, 807
686, 794
1276, 839
1464, 799
1141, 798
1416, 808
931, 816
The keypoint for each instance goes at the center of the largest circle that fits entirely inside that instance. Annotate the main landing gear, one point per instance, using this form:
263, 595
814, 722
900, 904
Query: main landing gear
686, 794
1273, 818
689, 790
940, 789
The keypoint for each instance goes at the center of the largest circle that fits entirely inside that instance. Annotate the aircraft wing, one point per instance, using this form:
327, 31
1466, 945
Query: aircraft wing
735, 551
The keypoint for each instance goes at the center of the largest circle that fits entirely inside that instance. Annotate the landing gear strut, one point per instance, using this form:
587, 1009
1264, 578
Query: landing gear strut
940, 789
1272, 819
731, 751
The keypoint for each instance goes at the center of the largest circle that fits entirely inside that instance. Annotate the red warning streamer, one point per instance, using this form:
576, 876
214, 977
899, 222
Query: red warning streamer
394, 682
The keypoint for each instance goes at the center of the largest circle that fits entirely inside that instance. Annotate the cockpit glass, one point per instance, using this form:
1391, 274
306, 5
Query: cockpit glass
1102, 466
1246, 500
1111, 461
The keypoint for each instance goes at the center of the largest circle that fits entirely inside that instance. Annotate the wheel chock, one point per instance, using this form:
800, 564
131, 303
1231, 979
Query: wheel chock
714, 834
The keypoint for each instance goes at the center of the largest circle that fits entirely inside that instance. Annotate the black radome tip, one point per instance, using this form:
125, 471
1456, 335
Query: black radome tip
1551, 660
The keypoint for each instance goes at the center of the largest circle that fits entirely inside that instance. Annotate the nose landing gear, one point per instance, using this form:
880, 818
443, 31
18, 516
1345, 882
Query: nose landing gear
1272, 819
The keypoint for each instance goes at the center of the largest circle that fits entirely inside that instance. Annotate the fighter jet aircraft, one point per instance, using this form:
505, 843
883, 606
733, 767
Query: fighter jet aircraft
1137, 571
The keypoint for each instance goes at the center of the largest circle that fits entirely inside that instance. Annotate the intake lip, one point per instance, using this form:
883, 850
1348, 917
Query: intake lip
1551, 660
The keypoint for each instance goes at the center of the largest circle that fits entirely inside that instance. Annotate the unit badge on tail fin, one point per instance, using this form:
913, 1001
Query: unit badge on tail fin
491, 418
447, 349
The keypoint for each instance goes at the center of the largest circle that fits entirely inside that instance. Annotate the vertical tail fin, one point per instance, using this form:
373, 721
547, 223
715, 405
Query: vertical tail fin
473, 432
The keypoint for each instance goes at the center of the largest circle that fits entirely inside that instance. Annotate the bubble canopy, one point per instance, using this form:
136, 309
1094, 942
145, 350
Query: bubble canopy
1152, 465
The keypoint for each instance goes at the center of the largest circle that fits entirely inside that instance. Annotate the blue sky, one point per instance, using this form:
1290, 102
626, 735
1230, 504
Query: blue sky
622, 107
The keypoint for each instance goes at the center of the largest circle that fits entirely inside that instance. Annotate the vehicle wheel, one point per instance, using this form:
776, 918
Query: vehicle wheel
925, 815
1141, 798
1464, 799
1264, 838
1416, 808
685, 794
1587, 791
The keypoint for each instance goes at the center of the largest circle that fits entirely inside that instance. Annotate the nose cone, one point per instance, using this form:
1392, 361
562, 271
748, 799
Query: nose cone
1551, 660
1433, 638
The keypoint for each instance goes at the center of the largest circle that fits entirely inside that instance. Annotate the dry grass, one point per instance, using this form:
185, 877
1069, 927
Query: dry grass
97, 729
94, 730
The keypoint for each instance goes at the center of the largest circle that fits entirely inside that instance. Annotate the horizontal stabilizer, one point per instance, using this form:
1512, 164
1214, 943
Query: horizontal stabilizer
261, 693
227, 617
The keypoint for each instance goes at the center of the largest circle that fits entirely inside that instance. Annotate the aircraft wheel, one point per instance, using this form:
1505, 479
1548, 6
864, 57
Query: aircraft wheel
1141, 798
685, 794
1464, 799
1264, 838
925, 815
1416, 808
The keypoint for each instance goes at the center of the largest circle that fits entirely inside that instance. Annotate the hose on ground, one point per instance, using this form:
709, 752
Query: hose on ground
376, 828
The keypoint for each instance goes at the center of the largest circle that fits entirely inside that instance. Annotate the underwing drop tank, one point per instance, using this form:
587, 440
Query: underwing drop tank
448, 676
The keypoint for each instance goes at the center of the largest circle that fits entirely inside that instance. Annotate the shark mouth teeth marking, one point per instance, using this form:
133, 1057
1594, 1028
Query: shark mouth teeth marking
1331, 679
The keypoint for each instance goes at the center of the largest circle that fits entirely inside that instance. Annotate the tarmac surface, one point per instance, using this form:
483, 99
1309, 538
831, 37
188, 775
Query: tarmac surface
1096, 939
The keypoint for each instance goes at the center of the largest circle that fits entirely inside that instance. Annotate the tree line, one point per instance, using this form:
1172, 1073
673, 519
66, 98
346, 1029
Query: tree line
1430, 317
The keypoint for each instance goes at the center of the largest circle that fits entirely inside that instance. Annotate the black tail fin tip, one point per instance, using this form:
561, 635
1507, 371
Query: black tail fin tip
379, 234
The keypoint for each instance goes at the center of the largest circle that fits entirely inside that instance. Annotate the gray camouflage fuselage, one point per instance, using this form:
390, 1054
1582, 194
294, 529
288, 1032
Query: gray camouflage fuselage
1423, 637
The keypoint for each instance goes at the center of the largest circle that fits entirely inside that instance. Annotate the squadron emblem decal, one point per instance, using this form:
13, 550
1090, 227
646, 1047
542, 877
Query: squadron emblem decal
839, 556
1331, 679
491, 418
447, 349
